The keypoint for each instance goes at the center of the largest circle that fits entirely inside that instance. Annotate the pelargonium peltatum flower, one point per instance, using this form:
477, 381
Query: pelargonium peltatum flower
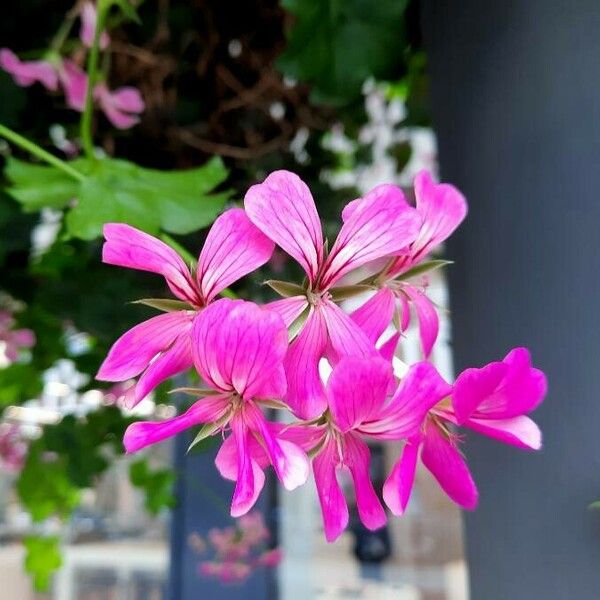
383, 224
442, 209
238, 351
493, 400
161, 346
360, 408
26, 73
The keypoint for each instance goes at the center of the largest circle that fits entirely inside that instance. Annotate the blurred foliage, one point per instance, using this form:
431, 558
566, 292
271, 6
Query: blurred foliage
157, 485
42, 558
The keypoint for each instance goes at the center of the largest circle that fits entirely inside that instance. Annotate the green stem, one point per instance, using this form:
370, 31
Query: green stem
92, 70
32, 148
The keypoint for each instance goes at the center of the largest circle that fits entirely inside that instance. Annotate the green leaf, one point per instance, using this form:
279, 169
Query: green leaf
128, 10
594, 505
157, 485
18, 382
425, 267
42, 559
349, 291
336, 46
164, 304
285, 288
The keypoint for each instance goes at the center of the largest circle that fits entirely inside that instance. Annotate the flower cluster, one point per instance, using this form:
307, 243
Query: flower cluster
121, 106
13, 447
238, 550
12, 340
252, 357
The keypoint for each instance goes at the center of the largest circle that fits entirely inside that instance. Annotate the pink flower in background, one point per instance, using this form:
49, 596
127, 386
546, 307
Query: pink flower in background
13, 448
122, 106
161, 346
492, 400
88, 26
282, 207
357, 394
74, 82
26, 73
238, 550
14, 340
442, 208
238, 350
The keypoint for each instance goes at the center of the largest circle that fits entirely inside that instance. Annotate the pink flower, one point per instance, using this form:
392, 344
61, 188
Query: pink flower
226, 571
121, 106
383, 224
13, 448
238, 351
14, 339
74, 82
161, 346
359, 408
442, 208
88, 26
492, 400
26, 73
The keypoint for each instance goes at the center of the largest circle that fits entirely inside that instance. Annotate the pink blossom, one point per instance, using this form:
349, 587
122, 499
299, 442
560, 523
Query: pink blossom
74, 82
442, 208
26, 73
494, 401
13, 448
359, 408
121, 106
161, 346
87, 31
383, 224
14, 339
238, 350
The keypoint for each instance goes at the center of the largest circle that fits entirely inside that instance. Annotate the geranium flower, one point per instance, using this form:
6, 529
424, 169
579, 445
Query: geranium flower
442, 208
359, 409
122, 106
87, 31
26, 73
238, 351
161, 346
494, 401
283, 209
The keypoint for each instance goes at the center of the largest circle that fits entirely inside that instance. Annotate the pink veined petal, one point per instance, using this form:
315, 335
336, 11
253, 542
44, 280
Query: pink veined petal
382, 224
288, 460
289, 309
387, 350
345, 336
239, 346
518, 431
136, 348
306, 437
226, 460
427, 316
420, 389
74, 82
374, 316
88, 27
250, 477
176, 359
443, 209
306, 393
144, 433
357, 456
333, 504
447, 465
126, 246
26, 73
357, 389
283, 208
399, 484
233, 248
404, 312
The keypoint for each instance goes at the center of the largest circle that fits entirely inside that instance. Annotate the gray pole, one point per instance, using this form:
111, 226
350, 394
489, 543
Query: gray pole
516, 99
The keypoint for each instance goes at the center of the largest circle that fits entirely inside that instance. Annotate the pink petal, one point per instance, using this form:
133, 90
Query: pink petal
427, 317
289, 309
143, 433
239, 346
404, 312
345, 336
306, 394
74, 82
136, 348
283, 208
382, 225
128, 99
26, 73
357, 390
420, 389
442, 208
121, 107
333, 504
358, 457
226, 460
387, 350
448, 466
519, 431
374, 316
129, 247
233, 248
399, 484
176, 359
88, 26
24, 338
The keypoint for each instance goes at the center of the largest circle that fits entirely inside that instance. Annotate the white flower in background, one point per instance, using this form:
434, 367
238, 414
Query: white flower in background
44, 233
